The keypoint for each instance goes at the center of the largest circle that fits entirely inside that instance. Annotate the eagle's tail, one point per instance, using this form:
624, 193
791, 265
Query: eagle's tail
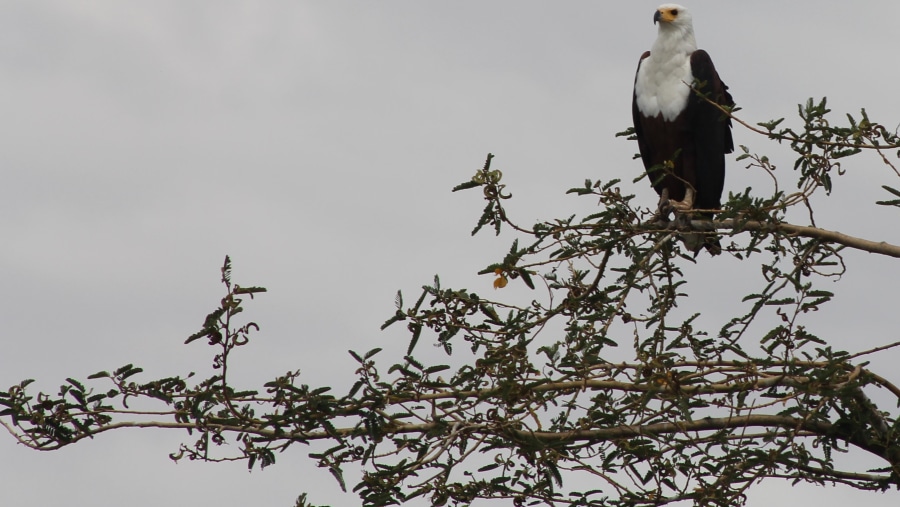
704, 237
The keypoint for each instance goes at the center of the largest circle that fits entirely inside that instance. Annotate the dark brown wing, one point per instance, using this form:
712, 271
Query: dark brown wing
711, 131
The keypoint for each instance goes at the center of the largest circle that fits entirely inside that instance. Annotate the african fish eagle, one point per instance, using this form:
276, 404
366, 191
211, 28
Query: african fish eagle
682, 138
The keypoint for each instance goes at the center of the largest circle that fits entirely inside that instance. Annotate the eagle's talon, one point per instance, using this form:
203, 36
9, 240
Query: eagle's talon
685, 205
663, 207
681, 206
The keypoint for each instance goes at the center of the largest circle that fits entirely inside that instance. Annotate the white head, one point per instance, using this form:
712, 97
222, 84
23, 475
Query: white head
676, 30
673, 17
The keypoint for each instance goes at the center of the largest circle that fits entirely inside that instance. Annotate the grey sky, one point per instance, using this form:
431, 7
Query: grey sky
316, 143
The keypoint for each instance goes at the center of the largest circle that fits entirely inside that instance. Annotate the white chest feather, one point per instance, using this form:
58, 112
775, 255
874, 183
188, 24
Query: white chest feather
662, 87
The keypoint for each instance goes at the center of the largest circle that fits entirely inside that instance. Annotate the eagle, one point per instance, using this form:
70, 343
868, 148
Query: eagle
682, 138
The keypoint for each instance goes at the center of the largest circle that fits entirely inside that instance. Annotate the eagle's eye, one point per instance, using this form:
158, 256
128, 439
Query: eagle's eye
674, 12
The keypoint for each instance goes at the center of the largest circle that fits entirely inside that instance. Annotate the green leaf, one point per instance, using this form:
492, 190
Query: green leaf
891, 190
416, 329
123, 369
467, 185
355, 388
396, 318
770, 125
249, 290
894, 202
78, 385
526, 277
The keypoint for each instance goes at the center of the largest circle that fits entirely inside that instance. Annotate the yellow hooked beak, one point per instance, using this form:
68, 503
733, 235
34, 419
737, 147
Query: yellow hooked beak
665, 15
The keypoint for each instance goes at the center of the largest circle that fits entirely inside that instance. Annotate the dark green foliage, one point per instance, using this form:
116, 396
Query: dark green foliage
608, 375
894, 202
489, 180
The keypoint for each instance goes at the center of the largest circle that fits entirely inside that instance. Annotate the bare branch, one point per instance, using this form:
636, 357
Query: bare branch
878, 247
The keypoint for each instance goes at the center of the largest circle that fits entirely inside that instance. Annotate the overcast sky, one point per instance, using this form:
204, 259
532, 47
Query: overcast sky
317, 143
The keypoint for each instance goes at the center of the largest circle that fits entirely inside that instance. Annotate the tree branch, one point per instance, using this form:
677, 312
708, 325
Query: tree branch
705, 424
877, 247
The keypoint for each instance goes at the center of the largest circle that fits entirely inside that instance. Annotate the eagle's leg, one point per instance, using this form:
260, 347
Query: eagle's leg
663, 208
687, 203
